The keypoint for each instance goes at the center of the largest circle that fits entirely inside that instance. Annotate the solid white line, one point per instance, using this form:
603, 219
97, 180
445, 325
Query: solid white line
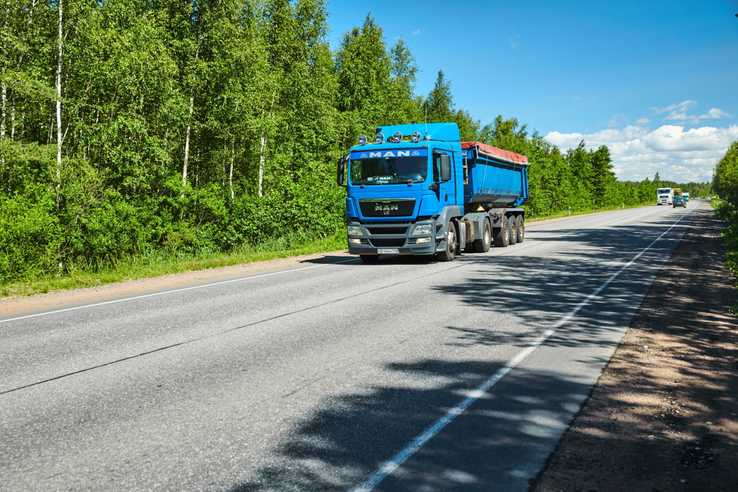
390, 466
183, 289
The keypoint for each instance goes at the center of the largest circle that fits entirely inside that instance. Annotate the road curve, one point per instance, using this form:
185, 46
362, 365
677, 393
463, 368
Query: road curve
332, 375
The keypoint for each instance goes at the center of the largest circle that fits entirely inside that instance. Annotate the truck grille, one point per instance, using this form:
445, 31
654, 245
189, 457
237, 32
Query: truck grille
399, 207
388, 243
387, 230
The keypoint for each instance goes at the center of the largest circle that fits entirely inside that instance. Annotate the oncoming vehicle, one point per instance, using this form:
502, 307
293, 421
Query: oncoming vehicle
422, 191
664, 196
679, 202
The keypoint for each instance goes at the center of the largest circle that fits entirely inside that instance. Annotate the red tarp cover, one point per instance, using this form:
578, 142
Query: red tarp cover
505, 155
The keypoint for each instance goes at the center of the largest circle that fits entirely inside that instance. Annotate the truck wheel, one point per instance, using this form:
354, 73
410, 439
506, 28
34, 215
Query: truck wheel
520, 229
512, 224
482, 245
369, 258
502, 234
451, 240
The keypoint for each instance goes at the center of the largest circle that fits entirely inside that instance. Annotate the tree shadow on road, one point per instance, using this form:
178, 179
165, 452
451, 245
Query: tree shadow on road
503, 438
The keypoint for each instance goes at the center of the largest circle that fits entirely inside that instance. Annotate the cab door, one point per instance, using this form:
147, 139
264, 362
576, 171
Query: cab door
446, 189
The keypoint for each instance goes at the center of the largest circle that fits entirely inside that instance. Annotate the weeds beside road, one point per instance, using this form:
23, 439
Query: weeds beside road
155, 266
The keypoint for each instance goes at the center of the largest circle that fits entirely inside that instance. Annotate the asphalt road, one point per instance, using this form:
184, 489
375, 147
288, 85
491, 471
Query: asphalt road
333, 374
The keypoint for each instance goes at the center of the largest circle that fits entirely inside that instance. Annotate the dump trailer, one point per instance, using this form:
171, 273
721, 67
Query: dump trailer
419, 190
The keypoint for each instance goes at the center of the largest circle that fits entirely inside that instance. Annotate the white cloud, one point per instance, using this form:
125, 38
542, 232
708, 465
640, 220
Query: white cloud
415, 32
678, 112
716, 113
617, 120
642, 121
682, 106
675, 153
513, 42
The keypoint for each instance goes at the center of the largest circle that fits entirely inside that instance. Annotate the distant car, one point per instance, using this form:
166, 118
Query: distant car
679, 202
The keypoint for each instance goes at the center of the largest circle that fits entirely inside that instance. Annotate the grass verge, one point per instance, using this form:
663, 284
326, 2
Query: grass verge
157, 265
161, 264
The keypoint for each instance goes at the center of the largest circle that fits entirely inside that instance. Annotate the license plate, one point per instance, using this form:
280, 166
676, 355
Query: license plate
388, 251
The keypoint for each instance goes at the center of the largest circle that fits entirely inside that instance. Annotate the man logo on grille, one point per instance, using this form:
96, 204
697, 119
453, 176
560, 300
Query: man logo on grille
386, 208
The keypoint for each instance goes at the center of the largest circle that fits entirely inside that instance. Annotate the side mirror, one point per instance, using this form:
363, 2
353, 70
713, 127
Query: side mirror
341, 170
445, 167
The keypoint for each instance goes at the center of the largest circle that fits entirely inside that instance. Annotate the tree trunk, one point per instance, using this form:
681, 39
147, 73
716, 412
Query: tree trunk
58, 106
189, 128
187, 143
262, 158
4, 107
262, 148
4, 116
230, 173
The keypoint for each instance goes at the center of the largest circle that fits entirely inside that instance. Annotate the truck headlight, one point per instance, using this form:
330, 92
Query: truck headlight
355, 231
423, 229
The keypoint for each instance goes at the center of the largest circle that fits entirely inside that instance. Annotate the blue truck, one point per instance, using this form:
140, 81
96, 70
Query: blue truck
417, 189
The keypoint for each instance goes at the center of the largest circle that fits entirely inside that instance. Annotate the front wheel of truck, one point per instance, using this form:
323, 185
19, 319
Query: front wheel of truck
369, 258
449, 253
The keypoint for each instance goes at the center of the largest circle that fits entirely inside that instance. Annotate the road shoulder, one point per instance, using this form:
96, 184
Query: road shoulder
664, 413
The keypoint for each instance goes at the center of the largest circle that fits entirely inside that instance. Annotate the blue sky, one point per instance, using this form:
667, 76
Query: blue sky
655, 81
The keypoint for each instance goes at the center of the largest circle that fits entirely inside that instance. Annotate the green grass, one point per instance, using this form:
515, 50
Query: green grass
715, 202
161, 264
157, 265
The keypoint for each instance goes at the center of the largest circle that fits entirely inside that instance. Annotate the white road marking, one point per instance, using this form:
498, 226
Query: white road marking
390, 466
183, 289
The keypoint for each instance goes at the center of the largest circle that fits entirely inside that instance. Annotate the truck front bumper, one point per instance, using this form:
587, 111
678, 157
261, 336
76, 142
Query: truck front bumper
393, 238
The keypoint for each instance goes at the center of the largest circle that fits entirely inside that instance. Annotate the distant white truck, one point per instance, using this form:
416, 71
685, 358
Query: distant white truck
664, 196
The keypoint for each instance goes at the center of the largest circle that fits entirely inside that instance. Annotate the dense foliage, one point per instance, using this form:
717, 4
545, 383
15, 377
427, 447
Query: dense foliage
170, 127
725, 184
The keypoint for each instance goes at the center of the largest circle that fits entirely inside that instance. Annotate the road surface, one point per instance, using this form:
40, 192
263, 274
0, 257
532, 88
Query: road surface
334, 375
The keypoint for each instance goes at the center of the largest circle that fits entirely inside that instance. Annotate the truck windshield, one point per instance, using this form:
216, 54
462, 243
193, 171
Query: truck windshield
388, 169
663, 191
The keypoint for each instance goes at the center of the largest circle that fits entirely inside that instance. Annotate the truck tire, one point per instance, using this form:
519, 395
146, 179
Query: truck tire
512, 223
369, 258
451, 244
482, 245
502, 234
520, 229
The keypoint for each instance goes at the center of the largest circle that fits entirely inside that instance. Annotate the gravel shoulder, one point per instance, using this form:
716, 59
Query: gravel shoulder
664, 414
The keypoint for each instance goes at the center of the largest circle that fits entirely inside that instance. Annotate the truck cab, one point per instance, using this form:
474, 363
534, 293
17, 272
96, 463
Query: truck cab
408, 194
664, 196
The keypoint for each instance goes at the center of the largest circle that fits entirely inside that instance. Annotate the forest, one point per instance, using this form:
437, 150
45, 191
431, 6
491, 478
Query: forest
141, 128
725, 184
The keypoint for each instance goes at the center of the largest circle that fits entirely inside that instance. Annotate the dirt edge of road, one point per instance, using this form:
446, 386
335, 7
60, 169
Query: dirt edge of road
65, 298
664, 413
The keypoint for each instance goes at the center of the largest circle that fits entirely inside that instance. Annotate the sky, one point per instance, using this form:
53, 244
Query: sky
657, 82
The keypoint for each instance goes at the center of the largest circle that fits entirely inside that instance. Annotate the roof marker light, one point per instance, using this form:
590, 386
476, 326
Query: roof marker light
362, 139
379, 138
398, 137
416, 137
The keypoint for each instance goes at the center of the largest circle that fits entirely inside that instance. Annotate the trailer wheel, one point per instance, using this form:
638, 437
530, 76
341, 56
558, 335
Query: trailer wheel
520, 229
502, 234
482, 245
512, 223
449, 253
369, 258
